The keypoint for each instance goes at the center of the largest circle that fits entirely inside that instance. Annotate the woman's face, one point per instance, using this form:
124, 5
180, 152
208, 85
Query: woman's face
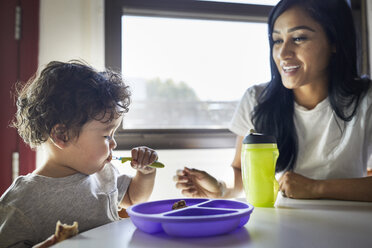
301, 50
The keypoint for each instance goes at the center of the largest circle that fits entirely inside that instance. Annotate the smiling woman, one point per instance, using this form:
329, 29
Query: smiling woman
316, 105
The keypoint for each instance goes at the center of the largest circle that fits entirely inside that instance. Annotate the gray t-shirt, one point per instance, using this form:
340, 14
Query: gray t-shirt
31, 207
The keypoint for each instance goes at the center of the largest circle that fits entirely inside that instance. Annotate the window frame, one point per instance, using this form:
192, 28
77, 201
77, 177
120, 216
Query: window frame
191, 9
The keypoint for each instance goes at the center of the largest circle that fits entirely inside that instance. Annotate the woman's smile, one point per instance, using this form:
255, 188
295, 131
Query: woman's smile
289, 70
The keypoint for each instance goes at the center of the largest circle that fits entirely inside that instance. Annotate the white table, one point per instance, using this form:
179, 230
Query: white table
292, 223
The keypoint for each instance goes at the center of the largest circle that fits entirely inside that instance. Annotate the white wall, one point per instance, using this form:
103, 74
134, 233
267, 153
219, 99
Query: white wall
72, 29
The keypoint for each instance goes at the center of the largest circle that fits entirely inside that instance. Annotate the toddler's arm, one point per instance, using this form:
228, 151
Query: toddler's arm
142, 183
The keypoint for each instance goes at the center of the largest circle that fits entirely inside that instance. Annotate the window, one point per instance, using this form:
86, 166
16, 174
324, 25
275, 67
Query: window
188, 63
196, 70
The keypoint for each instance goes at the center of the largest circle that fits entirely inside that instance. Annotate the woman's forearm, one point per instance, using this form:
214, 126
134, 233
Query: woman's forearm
236, 190
354, 189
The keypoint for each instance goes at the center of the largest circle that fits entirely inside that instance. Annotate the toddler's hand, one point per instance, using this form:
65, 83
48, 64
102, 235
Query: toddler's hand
142, 157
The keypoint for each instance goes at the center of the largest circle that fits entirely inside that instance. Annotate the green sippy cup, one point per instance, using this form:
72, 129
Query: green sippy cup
259, 155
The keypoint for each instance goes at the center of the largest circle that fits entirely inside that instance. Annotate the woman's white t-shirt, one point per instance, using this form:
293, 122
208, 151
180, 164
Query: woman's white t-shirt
327, 146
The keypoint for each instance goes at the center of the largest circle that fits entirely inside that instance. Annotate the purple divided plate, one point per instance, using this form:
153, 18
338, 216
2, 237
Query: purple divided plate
202, 217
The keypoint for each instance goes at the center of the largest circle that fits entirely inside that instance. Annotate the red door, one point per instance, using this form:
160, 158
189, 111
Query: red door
18, 62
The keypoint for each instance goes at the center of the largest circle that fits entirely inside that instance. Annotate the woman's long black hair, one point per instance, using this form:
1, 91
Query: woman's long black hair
274, 113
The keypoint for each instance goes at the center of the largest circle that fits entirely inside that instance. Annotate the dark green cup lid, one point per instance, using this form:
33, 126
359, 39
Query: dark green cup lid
258, 138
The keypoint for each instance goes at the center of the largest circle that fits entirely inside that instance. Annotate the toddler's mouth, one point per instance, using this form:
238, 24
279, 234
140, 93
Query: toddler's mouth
109, 157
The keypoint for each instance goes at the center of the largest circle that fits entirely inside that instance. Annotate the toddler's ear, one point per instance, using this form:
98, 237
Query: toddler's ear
59, 135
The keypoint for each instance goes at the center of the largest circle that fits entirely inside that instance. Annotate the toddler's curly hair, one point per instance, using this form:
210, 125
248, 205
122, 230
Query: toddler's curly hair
70, 94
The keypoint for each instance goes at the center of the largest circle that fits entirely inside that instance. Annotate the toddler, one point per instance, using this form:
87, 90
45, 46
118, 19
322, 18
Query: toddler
72, 111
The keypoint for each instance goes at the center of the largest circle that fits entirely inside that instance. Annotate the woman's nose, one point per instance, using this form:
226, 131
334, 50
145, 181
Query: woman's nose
286, 51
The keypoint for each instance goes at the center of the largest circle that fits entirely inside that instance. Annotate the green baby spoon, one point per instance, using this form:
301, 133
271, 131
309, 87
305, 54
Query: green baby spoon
156, 164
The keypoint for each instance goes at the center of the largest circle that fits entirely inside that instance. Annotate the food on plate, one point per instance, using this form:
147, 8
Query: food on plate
179, 204
64, 231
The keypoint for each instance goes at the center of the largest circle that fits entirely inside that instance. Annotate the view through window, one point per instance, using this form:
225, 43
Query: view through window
190, 73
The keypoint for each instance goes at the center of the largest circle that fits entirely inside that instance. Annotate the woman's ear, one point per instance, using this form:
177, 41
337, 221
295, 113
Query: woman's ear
59, 136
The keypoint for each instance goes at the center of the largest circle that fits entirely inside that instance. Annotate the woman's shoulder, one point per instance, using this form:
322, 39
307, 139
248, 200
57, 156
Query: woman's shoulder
255, 90
369, 93
366, 100
365, 105
364, 86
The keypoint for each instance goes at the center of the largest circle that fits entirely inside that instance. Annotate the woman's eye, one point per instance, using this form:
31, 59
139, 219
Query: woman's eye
108, 137
277, 41
299, 39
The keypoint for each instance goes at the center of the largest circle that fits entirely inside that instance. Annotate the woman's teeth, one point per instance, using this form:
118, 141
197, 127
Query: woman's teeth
290, 68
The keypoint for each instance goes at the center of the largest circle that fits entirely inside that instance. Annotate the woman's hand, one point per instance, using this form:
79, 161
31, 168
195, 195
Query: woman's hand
142, 157
196, 183
294, 185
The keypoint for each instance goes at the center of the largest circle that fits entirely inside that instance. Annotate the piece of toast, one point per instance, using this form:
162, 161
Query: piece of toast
64, 231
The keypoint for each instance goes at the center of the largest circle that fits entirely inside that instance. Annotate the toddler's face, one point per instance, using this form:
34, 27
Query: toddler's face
92, 149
